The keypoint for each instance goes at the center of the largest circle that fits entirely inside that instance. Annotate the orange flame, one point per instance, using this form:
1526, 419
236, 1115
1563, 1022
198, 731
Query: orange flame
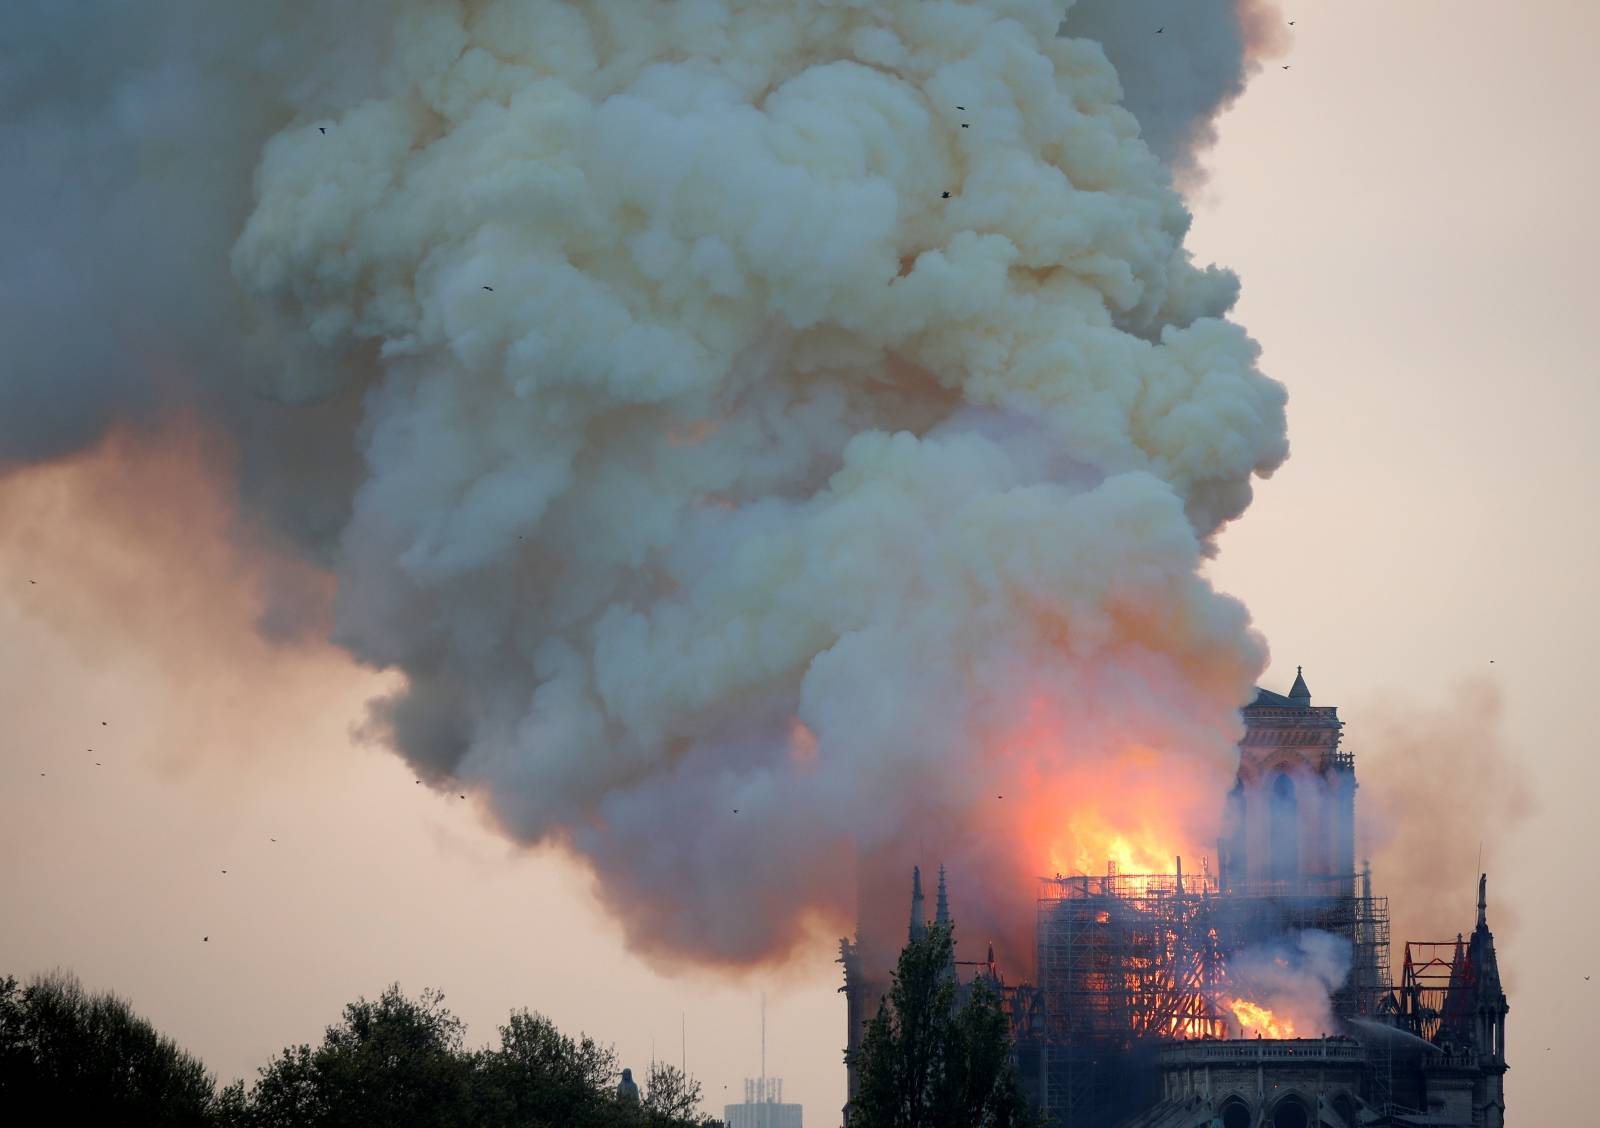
1131, 804
1258, 1020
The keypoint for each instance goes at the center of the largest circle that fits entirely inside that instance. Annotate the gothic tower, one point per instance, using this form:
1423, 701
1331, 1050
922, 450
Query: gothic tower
1290, 819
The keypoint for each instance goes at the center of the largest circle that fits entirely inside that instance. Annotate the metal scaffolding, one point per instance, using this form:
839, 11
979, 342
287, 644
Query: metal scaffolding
1128, 961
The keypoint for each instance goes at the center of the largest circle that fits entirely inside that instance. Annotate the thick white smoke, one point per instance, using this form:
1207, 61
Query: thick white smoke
767, 405
1294, 980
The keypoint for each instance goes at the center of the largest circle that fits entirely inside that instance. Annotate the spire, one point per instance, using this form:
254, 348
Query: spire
919, 923
1489, 1006
942, 912
1298, 693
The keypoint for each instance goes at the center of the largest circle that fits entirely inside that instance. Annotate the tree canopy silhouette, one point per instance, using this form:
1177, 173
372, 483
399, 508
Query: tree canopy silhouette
80, 1058
930, 1059
394, 1062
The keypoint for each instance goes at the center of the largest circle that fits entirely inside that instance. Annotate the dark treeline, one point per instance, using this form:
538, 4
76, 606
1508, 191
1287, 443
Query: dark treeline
73, 1057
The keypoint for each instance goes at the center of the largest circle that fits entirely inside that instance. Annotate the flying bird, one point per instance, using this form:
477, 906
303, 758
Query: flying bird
224, 871
33, 581
735, 810
463, 797
272, 840
205, 939
489, 288
946, 196
1159, 30
961, 107
1285, 66
102, 722
322, 129
963, 125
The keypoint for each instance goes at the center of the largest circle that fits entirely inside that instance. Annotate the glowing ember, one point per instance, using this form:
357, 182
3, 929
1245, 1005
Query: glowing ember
1258, 1020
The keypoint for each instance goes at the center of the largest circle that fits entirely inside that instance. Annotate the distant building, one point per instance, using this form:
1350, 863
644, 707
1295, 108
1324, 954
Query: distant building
763, 1106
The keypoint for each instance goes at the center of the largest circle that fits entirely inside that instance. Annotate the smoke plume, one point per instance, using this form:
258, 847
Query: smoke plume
770, 438
1294, 980
1177, 82
1453, 762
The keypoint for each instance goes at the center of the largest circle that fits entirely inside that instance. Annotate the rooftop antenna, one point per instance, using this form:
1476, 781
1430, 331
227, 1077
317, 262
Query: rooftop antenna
763, 1045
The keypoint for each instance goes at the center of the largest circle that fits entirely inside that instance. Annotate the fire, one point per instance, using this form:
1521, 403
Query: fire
1258, 1020
1076, 802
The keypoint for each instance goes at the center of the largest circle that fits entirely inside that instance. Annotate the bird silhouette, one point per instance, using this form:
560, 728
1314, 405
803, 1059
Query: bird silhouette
272, 840
999, 796
1159, 30
463, 797
97, 763
322, 129
102, 724
946, 196
964, 125
735, 810
224, 871
205, 939
1286, 66
961, 107
33, 581
489, 288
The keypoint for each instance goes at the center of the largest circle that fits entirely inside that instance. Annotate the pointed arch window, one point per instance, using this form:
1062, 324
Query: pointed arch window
1283, 829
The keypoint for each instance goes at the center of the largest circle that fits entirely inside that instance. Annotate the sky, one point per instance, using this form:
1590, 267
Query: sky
1408, 209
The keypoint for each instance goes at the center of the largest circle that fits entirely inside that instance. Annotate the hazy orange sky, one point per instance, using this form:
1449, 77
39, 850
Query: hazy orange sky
1408, 208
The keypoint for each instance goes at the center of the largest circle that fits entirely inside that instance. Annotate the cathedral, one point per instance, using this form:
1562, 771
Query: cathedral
1140, 1012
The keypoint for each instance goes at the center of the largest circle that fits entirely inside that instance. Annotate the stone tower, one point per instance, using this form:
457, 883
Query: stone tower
1290, 818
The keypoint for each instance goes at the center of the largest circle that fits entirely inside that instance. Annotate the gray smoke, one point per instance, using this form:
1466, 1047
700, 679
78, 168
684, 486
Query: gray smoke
730, 497
1178, 82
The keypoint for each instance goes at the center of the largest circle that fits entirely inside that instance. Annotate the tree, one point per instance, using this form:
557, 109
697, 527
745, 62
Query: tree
400, 1063
78, 1058
671, 1094
395, 1062
927, 1062
540, 1076
68, 1057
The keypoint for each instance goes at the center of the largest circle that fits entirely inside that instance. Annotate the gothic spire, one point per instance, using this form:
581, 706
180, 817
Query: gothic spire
1298, 693
919, 922
942, 910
